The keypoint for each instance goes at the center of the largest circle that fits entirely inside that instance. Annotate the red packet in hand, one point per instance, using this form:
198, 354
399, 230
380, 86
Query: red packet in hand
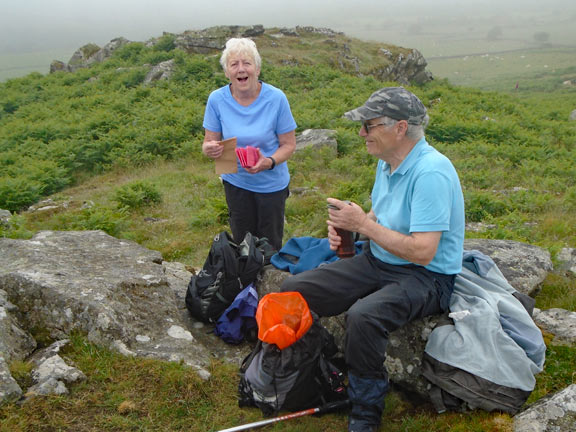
241, 154
248, 156
252, 156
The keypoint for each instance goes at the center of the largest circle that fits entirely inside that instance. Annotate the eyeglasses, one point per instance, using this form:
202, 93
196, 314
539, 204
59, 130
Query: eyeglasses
367, 126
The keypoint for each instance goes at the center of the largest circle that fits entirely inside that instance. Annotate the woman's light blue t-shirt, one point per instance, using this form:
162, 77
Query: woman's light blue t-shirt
423, 194
256, 125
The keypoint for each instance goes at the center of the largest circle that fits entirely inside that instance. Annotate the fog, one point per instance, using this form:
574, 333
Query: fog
30, 26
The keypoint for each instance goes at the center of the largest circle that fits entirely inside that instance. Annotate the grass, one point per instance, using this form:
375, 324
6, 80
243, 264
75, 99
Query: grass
127, 394
516, 71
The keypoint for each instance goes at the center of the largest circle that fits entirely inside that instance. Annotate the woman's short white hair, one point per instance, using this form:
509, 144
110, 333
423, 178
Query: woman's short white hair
240, 46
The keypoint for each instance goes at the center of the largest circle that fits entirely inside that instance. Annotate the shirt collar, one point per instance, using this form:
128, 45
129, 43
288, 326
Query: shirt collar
409, 160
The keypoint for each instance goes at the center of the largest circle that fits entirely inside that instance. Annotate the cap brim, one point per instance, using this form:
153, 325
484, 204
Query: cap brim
361, 113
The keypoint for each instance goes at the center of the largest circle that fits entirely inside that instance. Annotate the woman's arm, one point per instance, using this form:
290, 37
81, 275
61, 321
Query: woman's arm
286, 146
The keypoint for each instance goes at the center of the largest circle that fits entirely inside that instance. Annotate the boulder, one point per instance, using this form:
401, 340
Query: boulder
317, 138
15, 344
51, 373
213, 39
406, 69
5, 217
560, 322
102, 286
88, 55
555, 413
162, 71
566, 259
524, 266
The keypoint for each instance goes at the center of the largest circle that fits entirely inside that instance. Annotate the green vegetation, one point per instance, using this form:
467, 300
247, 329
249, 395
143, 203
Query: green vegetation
116, 155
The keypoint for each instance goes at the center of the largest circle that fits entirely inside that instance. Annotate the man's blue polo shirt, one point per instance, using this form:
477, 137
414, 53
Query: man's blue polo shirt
423, 194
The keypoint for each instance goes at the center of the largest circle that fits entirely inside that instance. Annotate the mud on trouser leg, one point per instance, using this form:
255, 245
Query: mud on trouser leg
367, 401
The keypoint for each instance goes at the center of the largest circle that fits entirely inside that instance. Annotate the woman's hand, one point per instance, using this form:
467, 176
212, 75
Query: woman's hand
263, 164
212, 149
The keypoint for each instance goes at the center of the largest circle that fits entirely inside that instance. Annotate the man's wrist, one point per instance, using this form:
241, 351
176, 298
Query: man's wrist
273, 162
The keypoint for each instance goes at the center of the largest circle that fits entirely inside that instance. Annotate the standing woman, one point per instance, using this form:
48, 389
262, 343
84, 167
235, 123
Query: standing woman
258, 115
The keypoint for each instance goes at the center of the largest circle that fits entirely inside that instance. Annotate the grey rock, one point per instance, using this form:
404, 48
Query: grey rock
51, 372
5, 217
560, 322
162, 71
524, 266
556, 413
409, 66
573, 115
58, 66
113, 290
213, 39
567, 260
317, 138
107, 288
10, 391
406, 69
88, 55
15, 342
107, 50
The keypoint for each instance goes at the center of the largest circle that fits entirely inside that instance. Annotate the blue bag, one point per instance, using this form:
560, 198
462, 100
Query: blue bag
238, 319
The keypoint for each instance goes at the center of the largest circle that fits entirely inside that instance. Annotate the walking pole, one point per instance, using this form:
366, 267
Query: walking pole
318, 410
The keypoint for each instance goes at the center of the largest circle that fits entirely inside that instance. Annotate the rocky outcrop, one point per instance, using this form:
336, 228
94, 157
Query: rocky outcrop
214, 39
88, 55
405, 66
406, 69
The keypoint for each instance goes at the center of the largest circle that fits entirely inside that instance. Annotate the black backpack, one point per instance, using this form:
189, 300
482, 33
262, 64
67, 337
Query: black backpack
300, 376
228, 269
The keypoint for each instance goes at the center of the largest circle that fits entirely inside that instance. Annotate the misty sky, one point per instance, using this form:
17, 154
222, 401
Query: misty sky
37, 25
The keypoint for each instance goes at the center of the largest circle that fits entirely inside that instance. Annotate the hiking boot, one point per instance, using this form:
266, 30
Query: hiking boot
360, 425
367, 400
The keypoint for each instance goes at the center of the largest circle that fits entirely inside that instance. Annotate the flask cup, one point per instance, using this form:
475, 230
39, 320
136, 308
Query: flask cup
347, 248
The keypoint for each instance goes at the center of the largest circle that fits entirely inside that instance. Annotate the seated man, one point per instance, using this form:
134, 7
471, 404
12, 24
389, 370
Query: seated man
416, 233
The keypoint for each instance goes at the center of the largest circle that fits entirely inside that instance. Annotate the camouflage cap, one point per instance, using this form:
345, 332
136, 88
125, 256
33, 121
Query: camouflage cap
394, 102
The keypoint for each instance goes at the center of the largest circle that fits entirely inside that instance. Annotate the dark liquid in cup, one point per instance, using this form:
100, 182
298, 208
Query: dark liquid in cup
346, 248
